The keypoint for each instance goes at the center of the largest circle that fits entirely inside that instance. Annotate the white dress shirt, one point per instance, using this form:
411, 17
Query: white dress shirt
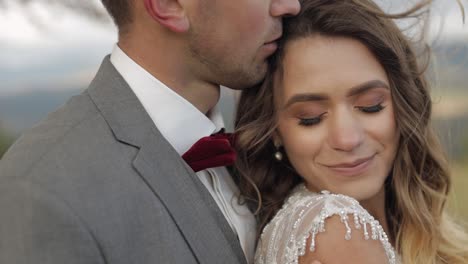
182, 124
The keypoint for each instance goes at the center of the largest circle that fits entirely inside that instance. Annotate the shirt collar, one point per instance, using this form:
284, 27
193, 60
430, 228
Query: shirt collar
180, 122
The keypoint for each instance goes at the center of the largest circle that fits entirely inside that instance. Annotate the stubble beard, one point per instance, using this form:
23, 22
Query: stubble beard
227, 69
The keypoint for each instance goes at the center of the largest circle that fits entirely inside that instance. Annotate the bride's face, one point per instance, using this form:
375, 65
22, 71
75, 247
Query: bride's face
336, 119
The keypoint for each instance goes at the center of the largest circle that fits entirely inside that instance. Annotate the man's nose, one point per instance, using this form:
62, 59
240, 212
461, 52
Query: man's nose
281, 8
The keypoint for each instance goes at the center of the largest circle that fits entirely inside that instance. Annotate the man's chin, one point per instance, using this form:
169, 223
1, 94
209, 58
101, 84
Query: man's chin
246, 85
245, 81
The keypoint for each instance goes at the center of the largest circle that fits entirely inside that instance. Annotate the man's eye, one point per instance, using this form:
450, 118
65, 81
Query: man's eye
371, 109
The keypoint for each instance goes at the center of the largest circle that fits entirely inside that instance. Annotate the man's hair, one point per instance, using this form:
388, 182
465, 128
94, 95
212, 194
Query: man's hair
120, 11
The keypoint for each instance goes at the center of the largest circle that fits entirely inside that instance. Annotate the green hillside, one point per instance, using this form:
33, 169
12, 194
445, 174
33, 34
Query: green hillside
5, 141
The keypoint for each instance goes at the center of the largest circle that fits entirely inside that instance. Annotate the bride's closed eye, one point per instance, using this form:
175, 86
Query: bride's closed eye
372, 101
312, 120
371, 109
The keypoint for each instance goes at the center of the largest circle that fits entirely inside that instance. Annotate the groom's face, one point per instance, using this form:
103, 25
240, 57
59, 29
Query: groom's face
231, 40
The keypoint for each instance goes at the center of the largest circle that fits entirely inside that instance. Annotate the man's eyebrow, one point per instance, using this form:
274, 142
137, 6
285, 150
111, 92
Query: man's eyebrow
361, 88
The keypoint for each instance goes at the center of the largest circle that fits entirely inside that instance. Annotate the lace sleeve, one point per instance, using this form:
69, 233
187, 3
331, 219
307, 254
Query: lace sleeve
303, 217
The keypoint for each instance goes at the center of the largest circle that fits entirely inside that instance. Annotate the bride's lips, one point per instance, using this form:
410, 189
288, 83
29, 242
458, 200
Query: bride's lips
352, 168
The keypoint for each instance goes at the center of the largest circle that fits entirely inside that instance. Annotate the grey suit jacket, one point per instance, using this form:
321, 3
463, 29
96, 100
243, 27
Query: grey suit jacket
96, 182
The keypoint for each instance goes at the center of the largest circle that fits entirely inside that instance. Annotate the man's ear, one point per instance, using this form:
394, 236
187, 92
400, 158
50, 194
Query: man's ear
169, 13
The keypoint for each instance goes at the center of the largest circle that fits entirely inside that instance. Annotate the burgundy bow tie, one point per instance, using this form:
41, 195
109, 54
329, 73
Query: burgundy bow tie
212, 151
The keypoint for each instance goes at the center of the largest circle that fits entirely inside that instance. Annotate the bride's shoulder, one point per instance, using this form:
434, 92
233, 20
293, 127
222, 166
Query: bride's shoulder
302, 203
295, 229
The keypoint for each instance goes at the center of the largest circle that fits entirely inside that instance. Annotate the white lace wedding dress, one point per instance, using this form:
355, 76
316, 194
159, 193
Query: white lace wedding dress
303, 215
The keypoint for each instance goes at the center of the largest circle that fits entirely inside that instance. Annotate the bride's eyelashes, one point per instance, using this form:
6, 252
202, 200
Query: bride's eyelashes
371, 109
311, 121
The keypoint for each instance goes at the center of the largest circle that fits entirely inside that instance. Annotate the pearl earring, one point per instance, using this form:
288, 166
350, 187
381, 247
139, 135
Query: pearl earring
278, 155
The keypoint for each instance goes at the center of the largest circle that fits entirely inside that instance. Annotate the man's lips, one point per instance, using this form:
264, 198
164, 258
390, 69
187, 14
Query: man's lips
270, 47
274, 40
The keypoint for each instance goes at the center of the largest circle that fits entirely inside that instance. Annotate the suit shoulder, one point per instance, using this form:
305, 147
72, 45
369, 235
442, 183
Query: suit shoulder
54, 138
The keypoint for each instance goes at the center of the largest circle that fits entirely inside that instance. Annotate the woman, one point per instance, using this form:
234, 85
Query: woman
345, 112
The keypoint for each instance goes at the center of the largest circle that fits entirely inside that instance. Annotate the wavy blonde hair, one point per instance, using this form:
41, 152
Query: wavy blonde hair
419, 183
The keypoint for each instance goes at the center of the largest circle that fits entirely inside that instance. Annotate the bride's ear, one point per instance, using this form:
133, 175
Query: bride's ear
169, 13
276, 138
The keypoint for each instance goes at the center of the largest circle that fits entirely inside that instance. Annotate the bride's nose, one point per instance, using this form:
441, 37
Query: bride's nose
345, 131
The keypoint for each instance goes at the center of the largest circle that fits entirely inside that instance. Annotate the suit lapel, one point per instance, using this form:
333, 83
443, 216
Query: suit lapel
187, 200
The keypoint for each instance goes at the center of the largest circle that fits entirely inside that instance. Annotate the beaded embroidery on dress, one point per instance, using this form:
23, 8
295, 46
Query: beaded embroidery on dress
303, 214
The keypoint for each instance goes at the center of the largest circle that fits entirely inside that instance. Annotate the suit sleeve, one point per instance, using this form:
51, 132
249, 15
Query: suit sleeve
37, 227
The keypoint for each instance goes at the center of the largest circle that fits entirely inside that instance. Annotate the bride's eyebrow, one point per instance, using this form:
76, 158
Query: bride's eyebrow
305, 97
364, 87
358, 89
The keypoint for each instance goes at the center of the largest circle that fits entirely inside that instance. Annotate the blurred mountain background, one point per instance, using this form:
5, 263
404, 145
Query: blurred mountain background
51, 49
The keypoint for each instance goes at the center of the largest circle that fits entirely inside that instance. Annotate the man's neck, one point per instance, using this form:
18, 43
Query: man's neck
170, 67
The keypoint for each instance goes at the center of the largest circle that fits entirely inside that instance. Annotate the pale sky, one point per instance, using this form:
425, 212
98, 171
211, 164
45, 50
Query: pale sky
67, 48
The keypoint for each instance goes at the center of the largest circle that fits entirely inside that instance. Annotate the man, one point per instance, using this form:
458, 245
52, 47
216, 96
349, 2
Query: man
102, 180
